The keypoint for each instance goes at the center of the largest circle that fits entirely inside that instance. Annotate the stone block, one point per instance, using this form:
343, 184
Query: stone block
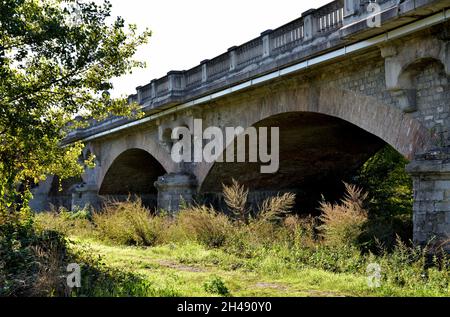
437, 195
442, 206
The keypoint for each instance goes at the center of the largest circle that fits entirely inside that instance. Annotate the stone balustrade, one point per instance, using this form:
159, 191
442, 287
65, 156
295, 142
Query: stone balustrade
317, 31
270, 45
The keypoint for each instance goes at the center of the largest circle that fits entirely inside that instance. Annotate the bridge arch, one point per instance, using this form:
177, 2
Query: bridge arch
343, 119
109, 153
132, 172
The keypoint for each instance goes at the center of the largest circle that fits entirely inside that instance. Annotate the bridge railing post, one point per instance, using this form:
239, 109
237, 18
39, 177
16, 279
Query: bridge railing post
153, 85
266, 43
139, 94
308, 25
176, 81
204, 70
350, 7
233, 58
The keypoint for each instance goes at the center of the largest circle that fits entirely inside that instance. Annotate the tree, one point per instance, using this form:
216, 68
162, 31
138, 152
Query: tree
57, 59
390, 190
389, 185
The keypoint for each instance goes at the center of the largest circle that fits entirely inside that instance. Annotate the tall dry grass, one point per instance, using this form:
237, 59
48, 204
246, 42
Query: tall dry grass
343, 222
302, 230
128, 223
203, 224
277, 207
235, 197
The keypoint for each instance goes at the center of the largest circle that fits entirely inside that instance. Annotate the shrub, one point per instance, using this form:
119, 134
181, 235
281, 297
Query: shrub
81, 214
128, 223
389, 186
31, 262
390, 198
215, 285
65, 223
343, 223
301, 230
204, 225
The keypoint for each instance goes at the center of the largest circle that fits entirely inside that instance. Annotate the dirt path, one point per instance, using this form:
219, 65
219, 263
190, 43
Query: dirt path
180, 267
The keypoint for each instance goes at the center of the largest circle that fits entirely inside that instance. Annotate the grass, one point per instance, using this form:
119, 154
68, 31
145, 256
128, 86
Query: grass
201, 252
183, 270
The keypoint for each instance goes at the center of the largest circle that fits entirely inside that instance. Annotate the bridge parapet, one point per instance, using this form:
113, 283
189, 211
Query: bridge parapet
227, 68
335, 26
274, 49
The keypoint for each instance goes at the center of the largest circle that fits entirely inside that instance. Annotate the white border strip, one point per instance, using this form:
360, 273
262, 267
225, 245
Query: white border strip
402, 31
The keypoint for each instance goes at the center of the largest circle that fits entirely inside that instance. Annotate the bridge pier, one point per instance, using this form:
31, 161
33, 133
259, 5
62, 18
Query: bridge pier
431, 209
85, 196
175, 189
41, 199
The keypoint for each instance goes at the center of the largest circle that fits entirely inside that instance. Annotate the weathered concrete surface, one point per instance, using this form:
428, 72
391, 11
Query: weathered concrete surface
334, 111
175, 190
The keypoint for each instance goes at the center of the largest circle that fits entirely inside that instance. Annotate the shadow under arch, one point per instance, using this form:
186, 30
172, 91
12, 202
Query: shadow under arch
317, 152
133, 172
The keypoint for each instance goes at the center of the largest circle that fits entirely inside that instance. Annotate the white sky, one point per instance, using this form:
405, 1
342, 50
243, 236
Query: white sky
186, 32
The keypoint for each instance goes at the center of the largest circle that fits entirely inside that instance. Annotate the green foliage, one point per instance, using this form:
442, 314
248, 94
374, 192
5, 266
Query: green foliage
215, 285
57, 59
33, 262
279, 248
68, 223
17, 239
82, 214
390, 187
390, 197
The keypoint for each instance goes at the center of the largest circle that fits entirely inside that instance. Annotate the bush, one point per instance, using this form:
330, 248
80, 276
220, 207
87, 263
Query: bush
76, 224
301, 230
128, 223
343, 223
389, 186
390, 198
215, 285
31, 262
244, 240
204, 225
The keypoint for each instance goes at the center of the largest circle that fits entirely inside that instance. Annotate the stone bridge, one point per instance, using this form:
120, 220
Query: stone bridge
340, 82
